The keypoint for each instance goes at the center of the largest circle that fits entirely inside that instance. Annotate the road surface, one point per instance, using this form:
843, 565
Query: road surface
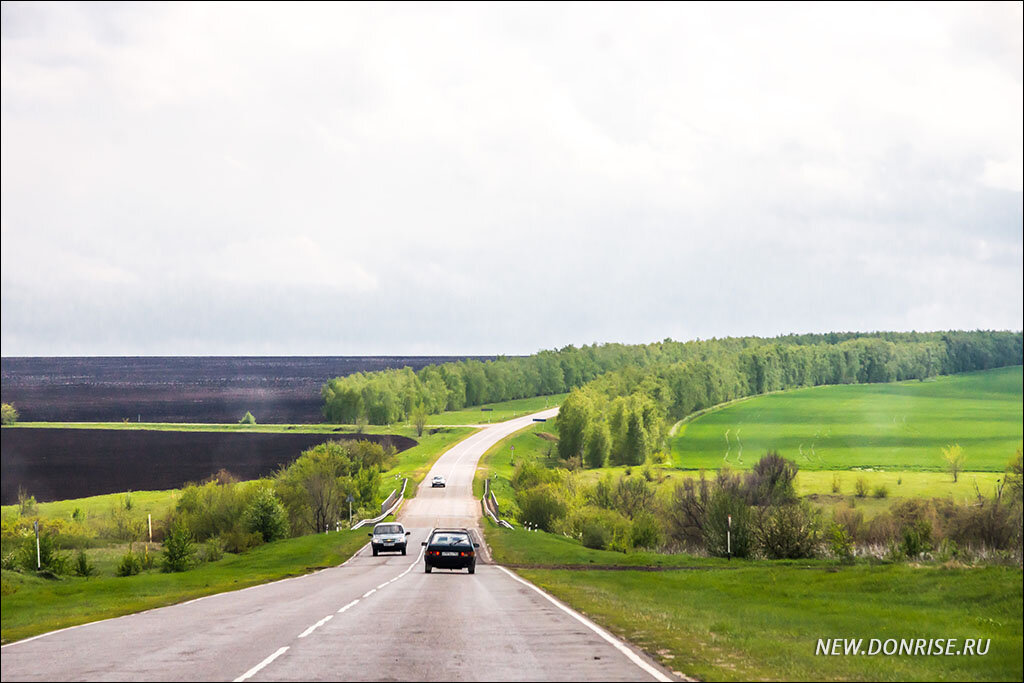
372, 618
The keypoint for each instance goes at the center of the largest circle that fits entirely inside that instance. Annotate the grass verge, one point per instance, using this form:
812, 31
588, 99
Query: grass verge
31, 605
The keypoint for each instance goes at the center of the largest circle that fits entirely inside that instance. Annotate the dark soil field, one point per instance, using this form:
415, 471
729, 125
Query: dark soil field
55, 464
181, 389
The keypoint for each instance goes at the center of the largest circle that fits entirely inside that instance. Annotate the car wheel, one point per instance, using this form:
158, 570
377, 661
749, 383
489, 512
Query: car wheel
375, 551
403, 551
426, 568
472, 569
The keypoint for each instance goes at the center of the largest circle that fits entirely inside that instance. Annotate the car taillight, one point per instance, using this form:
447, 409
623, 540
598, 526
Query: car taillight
465, 554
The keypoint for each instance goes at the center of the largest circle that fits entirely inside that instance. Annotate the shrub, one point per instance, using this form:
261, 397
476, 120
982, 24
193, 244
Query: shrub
687, 510
26, 503
129, 565
211, 551
595, 534
8, 414
247, 419
860, 487
645, 531
82, 566
852, 521
770, 481
724, 503
917, 539
238, 540
881, 491
540, 506
836, 484
50, 558
840, 542
788, 531
266, 516
179, 549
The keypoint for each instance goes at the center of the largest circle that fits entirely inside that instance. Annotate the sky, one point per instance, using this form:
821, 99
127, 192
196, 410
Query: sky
262, 179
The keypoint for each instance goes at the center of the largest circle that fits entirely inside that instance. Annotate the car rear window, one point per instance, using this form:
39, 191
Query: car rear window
449, 539
388, 529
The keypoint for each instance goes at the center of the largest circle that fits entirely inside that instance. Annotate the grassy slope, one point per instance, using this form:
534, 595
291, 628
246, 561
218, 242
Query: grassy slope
41, 605
745, 620
499, 411
756, 622
901, 425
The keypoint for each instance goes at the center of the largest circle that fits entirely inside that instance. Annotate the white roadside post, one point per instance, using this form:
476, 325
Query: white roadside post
39, 562
150, 517
728, 539
350, 499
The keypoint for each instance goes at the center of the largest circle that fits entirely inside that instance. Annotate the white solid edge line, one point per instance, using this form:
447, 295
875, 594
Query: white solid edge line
256, 669
615, 642
181, 604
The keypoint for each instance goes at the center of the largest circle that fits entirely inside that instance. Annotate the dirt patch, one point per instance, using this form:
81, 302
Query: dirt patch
547, 436
55, 464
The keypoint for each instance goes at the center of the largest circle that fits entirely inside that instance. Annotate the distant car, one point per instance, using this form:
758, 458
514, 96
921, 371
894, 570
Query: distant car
389, 537
438, 481
450, 549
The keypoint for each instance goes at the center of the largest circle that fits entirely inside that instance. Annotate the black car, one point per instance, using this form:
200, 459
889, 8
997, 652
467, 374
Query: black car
450, 549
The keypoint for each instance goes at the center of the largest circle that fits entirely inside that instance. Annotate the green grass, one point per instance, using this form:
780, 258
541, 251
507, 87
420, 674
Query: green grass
756, 622
157, 503
901, 425
40, 605
506, 410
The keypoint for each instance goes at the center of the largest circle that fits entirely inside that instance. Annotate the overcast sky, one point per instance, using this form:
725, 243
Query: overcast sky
452, 179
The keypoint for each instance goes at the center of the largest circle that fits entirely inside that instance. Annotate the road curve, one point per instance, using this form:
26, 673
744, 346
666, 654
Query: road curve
372, 618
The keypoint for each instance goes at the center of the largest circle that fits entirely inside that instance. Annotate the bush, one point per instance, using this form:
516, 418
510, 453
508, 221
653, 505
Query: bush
852, 521
917, 539
595, 535
541, 506
860, 487
770, 481
687, 510
129, 565
50, 558
82, 566
646, 532
247, 419
788, 532
238, 540
266, 516
840, 543
8, 414
716, 525
179, 549
881, 491
836, 484
211, 551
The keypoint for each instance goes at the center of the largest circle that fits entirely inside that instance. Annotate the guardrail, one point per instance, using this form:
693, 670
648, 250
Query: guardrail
490, 506
388, 507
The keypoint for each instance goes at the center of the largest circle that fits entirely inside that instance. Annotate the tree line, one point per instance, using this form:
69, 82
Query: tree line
733, 366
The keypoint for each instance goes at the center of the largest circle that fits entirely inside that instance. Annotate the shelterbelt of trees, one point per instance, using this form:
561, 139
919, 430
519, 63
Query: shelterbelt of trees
680, 377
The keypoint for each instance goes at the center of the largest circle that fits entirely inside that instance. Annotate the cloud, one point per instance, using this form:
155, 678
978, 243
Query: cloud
501, 178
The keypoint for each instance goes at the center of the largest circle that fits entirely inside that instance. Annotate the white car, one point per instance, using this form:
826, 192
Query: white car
388, 537
438, 481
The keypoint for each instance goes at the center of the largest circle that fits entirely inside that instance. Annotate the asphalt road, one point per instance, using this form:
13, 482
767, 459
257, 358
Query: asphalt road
372, 618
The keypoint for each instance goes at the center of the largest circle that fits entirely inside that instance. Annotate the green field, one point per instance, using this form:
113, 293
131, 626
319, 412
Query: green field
901, 426
33, 605
756, 622
497, 412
